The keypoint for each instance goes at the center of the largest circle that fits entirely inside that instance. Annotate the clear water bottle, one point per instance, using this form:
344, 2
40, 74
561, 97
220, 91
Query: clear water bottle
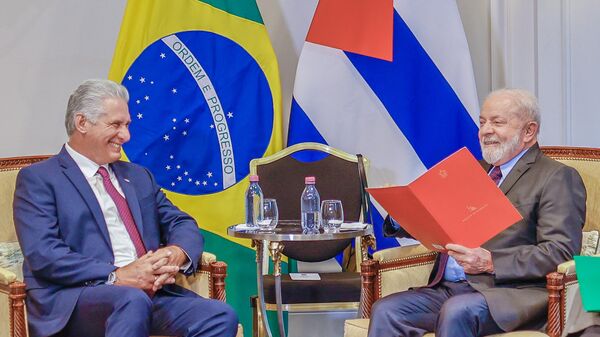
254, 200
310, 206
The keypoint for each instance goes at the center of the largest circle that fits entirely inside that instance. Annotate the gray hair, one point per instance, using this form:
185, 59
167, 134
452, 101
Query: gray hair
88, 99
522, 103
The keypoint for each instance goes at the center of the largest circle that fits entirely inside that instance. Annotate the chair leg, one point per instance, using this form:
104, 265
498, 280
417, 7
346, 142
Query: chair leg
258, 329
367, 294
219, 272
554, 284
16, 300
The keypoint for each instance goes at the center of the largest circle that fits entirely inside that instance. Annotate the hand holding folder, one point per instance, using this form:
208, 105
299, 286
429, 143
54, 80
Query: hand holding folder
453, 202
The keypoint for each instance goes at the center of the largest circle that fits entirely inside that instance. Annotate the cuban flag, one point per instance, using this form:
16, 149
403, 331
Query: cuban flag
392, 80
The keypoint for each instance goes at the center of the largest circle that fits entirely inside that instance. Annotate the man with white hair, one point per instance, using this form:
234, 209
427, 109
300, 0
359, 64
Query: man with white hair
102, 243
499, 286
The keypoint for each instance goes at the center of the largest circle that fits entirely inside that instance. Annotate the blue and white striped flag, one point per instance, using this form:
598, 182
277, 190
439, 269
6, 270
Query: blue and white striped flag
404, 115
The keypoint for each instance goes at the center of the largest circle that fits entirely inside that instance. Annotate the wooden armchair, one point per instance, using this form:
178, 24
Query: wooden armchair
209, 281
397, 269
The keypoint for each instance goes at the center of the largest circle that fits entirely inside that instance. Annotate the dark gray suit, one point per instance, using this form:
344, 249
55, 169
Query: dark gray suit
551, 198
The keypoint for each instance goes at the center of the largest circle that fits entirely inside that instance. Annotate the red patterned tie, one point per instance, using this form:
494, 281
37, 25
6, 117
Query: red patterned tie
124, 212
496, 174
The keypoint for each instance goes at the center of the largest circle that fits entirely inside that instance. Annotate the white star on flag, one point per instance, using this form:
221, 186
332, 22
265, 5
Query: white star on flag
146, 97
166, 137
162, 55
130, 77
172, 184
179, 178
142, 80
178, 166
139, 115
174, 90
185, 173
184, 133
209, 174
204, 183
168, 167
197, 183
174, 120
190, 180
230, 114
137, 101
212, 126
187, 120
171, 157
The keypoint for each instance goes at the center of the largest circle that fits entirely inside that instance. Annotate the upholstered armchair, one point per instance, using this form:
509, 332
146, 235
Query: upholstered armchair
209, 281
397, 269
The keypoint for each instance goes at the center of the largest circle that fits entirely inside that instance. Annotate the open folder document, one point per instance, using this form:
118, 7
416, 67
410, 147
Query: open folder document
455, 201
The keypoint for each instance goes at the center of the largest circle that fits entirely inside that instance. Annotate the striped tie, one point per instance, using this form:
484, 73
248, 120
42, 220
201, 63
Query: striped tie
496, 174
124, 212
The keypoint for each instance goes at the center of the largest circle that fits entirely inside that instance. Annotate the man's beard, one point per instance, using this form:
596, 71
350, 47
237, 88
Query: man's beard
493, 154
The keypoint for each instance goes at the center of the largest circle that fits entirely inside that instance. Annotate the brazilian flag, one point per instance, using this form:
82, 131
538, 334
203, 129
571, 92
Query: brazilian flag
205, 99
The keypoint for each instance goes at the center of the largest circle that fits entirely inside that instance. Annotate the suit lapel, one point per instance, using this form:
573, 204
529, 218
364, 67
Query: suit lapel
74, 174
521, 167
130, 195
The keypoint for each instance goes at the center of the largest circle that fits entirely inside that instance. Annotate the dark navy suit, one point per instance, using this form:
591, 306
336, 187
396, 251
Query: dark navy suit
67, 247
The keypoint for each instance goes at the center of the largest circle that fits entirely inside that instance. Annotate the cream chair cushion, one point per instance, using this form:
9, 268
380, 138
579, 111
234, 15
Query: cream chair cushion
588, 169
359, 328
11, 260
7, 187
589, 244
401, 279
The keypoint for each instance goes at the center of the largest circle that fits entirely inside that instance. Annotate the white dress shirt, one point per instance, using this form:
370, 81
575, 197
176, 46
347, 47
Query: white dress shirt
122, 246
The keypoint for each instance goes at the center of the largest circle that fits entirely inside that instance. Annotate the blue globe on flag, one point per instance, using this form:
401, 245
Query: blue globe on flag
195, 125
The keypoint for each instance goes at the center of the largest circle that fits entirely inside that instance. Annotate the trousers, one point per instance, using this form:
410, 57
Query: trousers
449, 309
117, 311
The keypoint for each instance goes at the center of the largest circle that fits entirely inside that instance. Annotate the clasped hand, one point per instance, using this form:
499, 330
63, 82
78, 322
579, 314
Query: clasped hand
473, 260
153, 270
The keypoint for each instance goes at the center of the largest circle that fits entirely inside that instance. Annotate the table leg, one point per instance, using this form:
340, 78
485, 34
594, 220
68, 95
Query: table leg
260, 282
276, 248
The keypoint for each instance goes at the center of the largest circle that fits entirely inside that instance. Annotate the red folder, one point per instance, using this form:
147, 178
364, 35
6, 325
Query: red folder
455, 201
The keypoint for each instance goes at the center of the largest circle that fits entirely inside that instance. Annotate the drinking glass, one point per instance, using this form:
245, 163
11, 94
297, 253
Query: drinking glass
270, 215
332, 215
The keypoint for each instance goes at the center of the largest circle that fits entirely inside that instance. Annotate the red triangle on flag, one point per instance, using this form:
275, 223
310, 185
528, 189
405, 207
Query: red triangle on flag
360, 26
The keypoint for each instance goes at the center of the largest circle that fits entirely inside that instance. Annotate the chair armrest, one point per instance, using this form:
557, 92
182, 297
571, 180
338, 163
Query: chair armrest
13, 310
567, 268
563, 297
393, 270
401, 268
209, 280
563, 291
400, 253
207, 258
7, 276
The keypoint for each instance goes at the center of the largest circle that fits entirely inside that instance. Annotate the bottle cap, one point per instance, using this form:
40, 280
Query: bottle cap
309, 180
253, 178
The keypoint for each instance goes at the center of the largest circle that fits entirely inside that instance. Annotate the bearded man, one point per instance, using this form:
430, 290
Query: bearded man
500, 286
